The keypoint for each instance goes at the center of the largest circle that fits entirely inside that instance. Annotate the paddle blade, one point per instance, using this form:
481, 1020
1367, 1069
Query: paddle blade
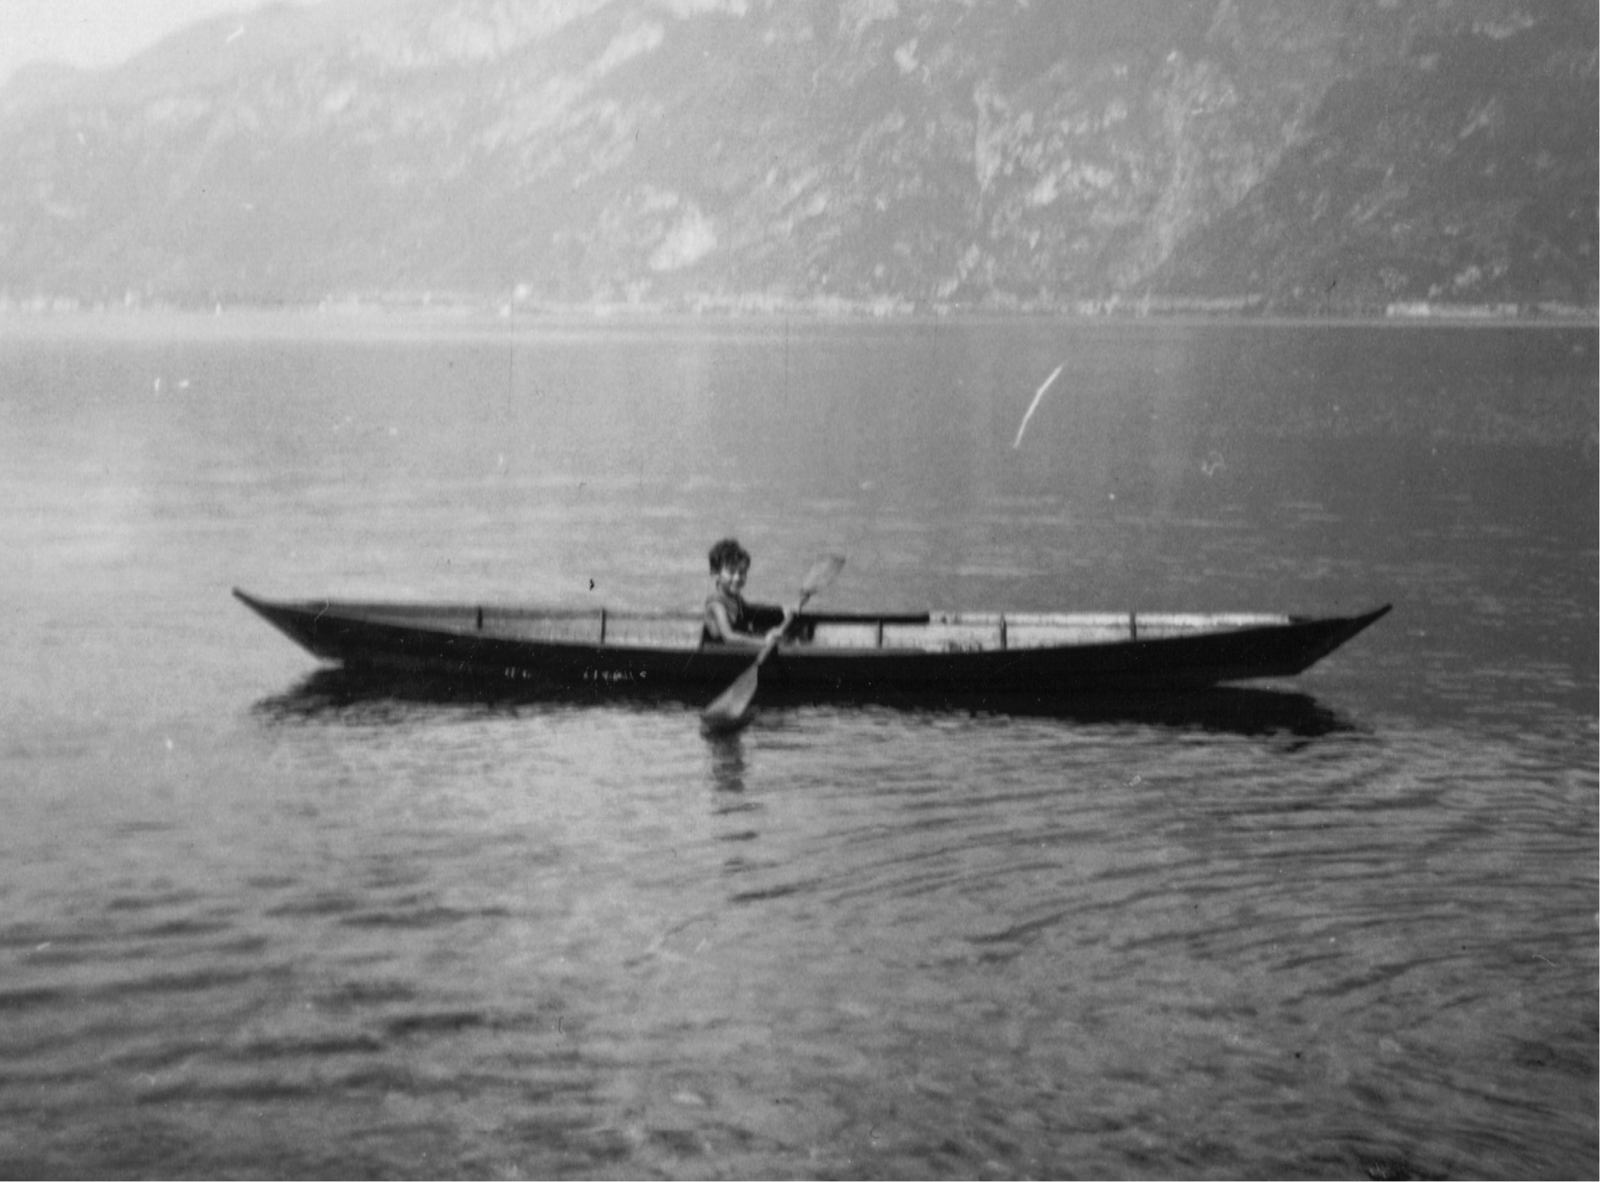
820, 575
733, 703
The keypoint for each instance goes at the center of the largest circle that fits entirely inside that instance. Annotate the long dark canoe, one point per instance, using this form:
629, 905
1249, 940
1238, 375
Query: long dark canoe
1053, 655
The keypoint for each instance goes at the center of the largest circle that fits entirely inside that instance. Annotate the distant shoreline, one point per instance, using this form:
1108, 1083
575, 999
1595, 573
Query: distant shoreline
366, 319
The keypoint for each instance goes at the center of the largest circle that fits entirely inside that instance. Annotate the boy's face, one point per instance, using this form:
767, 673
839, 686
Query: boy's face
732, 576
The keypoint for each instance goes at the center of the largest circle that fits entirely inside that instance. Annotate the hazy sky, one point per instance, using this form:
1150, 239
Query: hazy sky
95, 32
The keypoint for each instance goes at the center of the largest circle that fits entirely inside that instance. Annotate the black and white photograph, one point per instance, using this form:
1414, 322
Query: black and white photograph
818, 589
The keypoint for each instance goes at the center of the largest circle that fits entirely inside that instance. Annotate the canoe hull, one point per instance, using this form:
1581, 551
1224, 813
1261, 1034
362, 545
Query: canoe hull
858, 655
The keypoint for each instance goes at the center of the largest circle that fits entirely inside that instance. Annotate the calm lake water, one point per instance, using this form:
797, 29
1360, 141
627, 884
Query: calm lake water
256, 920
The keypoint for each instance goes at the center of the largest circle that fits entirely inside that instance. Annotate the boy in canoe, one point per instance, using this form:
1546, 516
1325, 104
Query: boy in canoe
729, 618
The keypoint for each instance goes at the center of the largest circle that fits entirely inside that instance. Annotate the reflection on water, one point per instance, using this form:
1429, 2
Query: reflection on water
375, 696
727, 760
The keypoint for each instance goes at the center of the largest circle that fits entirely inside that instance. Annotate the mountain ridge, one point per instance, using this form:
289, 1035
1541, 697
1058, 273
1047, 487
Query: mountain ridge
1300, 156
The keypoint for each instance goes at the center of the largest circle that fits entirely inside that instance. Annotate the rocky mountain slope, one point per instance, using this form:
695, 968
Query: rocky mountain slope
1299, 155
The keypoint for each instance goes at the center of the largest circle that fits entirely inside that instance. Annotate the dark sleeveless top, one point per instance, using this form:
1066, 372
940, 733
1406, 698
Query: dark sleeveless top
749, 618
738, 614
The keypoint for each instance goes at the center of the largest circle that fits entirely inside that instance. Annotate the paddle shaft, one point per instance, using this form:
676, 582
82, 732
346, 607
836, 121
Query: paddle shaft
780, 634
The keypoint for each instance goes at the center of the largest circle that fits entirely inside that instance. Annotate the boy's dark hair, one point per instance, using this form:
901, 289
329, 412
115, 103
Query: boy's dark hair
728, 552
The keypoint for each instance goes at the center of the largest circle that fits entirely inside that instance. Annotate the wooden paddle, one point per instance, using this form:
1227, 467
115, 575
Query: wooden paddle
733, 704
